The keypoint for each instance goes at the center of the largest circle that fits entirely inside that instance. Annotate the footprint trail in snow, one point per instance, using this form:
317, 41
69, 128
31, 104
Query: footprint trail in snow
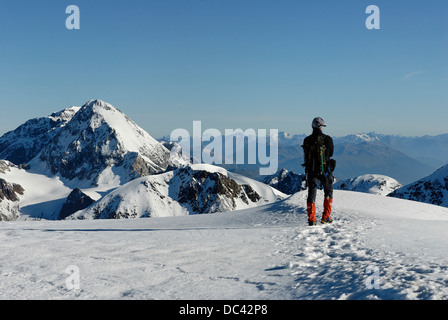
335, 262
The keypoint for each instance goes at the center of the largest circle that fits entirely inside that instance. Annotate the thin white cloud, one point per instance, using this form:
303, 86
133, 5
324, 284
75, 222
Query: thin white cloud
412, 74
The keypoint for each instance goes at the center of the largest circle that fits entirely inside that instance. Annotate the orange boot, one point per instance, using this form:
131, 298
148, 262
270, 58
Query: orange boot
311, 210
328, 204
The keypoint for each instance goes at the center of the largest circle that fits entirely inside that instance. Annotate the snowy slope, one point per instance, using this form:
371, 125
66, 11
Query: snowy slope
377, 248
369, 183
42, 197
431, 189
194, 189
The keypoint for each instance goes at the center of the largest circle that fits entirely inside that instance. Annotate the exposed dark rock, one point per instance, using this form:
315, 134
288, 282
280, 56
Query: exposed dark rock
76, 200
9, 196
204, 190
286, 181
9, 191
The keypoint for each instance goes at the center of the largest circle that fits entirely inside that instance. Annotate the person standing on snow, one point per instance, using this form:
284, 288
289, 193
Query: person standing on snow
318, 149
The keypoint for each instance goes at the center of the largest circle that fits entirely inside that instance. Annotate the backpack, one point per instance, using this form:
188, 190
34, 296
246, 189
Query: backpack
315, 157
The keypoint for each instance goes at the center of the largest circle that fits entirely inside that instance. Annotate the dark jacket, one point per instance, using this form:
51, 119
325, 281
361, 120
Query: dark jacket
311, 159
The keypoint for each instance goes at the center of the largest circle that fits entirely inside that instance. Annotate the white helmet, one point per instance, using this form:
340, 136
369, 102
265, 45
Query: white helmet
318, 123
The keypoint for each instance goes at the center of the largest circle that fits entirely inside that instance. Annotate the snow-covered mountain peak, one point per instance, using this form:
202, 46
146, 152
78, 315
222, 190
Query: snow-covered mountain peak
286, 181
97, 113
367, 137
93, 143
101, 109
369, 183
359, 138
100, 103
100, 141
194, 189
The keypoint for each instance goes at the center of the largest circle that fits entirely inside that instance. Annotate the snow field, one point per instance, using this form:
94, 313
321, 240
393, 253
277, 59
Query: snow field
134, 261
377, 248
361, 257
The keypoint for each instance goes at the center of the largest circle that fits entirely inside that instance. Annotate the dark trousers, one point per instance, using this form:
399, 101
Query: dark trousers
313, 183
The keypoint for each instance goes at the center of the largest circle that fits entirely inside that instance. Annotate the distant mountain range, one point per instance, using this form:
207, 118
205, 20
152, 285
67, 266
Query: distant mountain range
290, 182
94, 162
405, 159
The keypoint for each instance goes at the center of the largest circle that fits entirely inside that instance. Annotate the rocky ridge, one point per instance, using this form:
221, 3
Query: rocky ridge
432, 189
195, 189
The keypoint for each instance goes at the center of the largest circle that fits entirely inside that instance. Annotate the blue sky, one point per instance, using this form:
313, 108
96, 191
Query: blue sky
231, 63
